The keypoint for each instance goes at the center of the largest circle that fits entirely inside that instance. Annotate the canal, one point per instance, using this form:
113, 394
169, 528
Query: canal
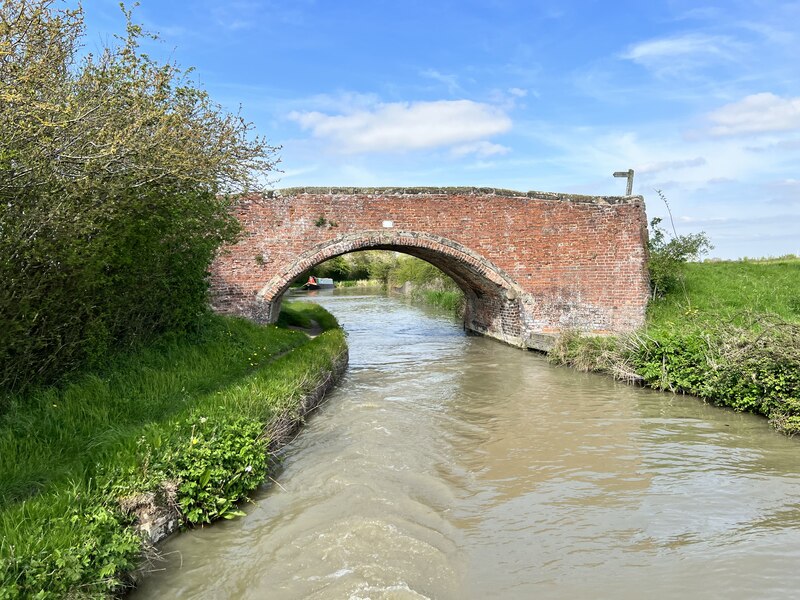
453, 466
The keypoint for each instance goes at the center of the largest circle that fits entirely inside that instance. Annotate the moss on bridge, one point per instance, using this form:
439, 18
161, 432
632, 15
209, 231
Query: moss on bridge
452, 191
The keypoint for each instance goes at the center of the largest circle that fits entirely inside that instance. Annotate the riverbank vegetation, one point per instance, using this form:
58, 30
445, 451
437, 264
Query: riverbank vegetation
727, 332
118, 389
189, 420
113, 175
395, 272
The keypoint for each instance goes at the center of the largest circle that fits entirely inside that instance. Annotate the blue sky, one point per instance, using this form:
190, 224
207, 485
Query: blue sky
701, 99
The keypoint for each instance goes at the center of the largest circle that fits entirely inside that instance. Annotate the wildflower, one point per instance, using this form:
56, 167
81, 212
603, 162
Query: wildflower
248, 468
203, 419
194, 441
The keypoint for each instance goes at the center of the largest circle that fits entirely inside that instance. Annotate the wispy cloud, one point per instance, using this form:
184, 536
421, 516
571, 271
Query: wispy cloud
757, 113
449, 80
403, 126
679, 53
670, 165
481, 149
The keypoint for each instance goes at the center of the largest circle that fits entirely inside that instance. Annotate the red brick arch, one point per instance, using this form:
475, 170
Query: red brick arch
479, 279
468, 269
530, 264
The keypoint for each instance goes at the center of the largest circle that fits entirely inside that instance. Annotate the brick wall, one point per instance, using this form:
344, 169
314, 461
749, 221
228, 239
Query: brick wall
529, 263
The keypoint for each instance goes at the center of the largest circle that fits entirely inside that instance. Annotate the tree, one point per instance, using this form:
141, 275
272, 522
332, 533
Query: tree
115, 172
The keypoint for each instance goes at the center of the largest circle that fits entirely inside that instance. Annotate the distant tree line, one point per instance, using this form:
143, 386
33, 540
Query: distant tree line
387, 267
114, 171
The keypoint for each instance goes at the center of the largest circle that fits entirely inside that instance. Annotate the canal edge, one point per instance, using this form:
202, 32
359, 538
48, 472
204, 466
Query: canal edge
157, 514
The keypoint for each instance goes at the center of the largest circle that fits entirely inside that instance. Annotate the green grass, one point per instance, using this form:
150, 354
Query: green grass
729, 335
361, 283
451, 300
68, 454
731, 291
305, 315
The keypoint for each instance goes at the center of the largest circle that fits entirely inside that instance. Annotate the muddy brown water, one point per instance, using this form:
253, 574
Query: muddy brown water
453, 466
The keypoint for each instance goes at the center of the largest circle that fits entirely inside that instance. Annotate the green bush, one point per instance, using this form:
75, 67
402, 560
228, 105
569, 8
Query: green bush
347, 267
668, 255
753, 370
672, 361
414, 270
113, 170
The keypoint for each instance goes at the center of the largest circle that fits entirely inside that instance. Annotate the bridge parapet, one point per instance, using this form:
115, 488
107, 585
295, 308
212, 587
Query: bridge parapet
530, 263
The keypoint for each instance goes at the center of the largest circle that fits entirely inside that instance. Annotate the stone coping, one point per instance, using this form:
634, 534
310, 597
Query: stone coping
448, 191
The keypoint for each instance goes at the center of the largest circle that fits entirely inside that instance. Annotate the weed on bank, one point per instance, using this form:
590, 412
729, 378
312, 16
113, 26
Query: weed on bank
187, 419
730, 336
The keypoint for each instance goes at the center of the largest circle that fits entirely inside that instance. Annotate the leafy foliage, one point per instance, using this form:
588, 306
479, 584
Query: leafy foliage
754, 369
108, 548
189, 410
669, 254
347, 267
111, 170
216, 463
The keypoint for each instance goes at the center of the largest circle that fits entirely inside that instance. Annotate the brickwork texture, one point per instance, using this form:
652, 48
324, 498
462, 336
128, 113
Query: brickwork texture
531, 264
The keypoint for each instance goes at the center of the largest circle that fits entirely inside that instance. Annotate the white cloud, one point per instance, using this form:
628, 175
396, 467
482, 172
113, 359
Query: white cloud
757, 113
518, 92
481, 149
342, 101
447, 79
401, 126
676, 54
669, 165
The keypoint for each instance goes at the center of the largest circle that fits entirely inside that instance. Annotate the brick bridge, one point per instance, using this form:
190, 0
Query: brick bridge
530, 264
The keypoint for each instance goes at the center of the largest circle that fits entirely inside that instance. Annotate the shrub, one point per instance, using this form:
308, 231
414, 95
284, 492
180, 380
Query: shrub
754, 370
111, 172
667, 255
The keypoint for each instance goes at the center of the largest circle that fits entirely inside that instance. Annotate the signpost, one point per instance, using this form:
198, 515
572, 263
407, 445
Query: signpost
629, 175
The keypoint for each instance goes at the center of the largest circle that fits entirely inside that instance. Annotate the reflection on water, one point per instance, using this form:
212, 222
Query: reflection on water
452, 466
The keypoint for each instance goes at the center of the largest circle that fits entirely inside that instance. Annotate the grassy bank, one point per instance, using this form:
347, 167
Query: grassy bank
732, 290
188, 418
451, 300
729, 335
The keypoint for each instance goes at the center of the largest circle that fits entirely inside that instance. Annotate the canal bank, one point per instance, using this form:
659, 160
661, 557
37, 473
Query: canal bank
729, 335
450, 466
176, 434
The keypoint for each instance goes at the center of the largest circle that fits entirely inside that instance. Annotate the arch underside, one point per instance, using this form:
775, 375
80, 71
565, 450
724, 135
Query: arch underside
493, 300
